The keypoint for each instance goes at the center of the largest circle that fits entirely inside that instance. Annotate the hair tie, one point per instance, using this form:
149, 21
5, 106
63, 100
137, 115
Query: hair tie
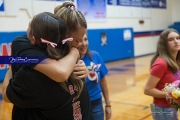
72, 7
48, 42
65, 40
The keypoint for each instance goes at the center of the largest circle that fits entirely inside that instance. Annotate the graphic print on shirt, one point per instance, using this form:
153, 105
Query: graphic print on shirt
75, 104
177, 75
93, 69
77, 111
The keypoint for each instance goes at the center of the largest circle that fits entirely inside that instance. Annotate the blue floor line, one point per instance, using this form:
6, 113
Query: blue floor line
131, 104
130, 65
117, 69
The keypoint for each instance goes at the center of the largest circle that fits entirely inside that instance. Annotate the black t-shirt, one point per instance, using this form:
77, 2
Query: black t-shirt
21, 46
37, 97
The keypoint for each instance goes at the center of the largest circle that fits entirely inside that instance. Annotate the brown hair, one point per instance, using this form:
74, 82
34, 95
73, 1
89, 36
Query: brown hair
49, 27
163, 51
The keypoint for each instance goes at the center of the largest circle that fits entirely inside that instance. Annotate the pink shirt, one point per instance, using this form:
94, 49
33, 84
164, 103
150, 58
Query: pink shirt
160, 70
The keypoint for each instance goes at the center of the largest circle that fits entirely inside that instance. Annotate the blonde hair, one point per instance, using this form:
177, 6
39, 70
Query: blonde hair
73, 19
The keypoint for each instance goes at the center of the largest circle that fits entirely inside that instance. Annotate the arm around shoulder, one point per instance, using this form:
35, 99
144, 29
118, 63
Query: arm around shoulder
59, 70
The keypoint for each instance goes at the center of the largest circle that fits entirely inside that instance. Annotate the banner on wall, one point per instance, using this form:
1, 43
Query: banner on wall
58, 0
139, 3
124, 2
158, 3
1, 5
146, 3
64, 0
136, 3
93, 10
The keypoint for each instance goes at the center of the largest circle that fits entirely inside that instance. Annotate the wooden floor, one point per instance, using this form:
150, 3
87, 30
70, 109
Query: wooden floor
126, 81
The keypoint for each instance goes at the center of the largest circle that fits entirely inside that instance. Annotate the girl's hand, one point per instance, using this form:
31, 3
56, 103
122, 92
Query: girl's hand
80, 69
108, 112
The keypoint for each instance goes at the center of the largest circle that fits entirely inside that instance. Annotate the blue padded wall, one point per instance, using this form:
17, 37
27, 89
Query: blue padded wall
176, 26
117, 46
5, 47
